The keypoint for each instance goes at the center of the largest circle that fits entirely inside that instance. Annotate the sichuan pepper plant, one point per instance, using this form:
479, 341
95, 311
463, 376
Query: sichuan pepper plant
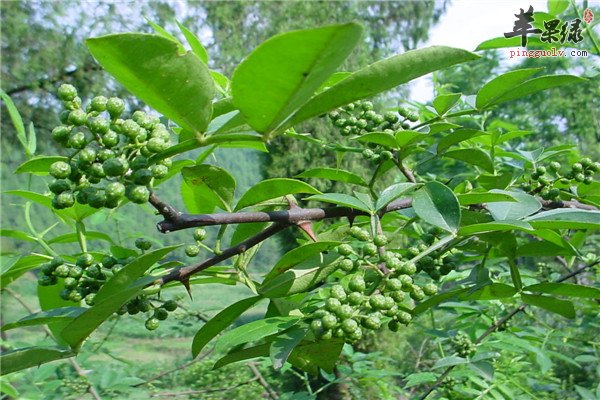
383, 255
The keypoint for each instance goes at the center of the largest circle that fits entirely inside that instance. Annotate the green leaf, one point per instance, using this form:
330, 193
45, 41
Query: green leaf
438, 127
38, 165
273, 188
565, 289
45, 317
515, 275
82, 326
444, 102
449, 361
22, 265
284, 344
393, 192
381, 76
566, 219
131, 273
512, 135
297, 256
32, 139
210, 187
16, 120
436, 204
473, 156
459, 135
194, 43
73, 237
253, 331
179, 86
524, 205
333, 174
466, 199
28, 357
492, 291
164, 33
287, 70
556, 7
16, 234
219, 322
300, 279
341, 199
8, 389
262, 350
437, 299
502, 42
245, 231
505, 225
404, 138
560, 307
49, 299
322, 354
382, 138
501, 85
537, 85
419, 378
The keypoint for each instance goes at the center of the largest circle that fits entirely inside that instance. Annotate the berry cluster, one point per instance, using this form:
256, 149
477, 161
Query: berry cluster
548, 181
366, 298
107, 148
463, 346
81, 280
76, 386
359, 118
145, 304
435, 265
194, 249
84, 278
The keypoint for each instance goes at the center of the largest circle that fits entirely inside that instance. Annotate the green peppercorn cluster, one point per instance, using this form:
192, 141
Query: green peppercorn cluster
84, 278
74, 386
193, 249
80, 280
112, 157
359, 118
365, 298
435, 265
547, 181
462, 345
145, 304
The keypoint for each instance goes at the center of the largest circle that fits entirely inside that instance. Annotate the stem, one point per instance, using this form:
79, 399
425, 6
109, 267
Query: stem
80, 228
499, 323
35, 233
588, 31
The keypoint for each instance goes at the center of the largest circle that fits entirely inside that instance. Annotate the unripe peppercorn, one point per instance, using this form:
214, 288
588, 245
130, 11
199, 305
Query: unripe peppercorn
345, 249
192, 250
67, 92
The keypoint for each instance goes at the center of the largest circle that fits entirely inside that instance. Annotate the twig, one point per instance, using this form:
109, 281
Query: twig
170, 371
175, 220
272, 394
188, 392
91, 390
498, 324
182, 274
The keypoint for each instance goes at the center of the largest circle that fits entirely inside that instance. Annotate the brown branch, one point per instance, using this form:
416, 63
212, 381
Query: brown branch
175, 220
272, 393
499, 323
91, 389
183, 274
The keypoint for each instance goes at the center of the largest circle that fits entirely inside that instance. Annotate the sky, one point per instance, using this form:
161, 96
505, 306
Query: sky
466, 23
